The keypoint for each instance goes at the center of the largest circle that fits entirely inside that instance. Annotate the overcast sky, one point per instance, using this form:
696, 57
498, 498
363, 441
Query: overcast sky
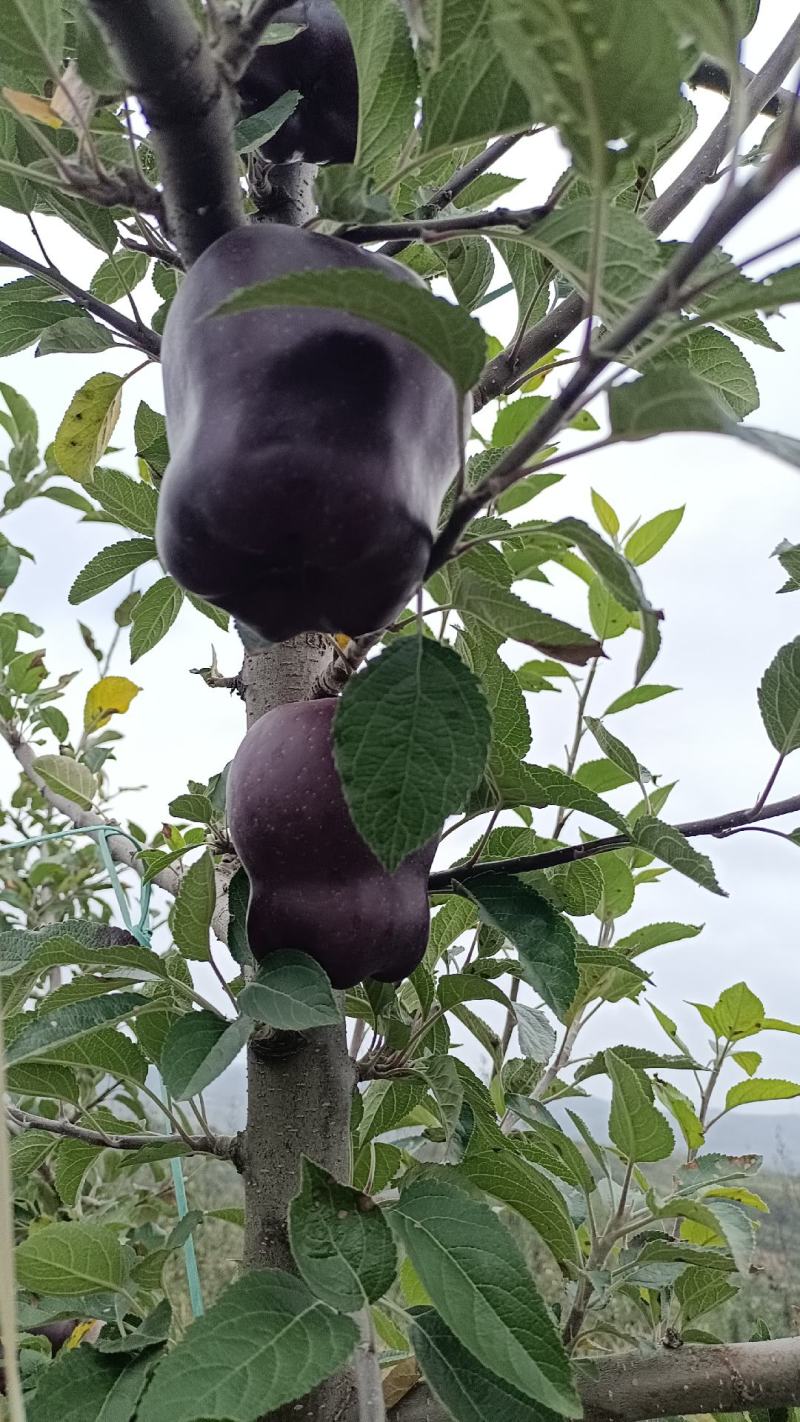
715, 581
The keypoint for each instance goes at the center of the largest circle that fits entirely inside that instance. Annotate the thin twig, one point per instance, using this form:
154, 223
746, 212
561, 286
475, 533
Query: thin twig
449, 880
138, 334
553, 330
661, 299
203, 1145
442, 229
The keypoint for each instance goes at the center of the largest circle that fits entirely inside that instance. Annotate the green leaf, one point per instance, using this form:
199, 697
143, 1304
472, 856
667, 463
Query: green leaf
543, 938
442, 1077
78, 335
153, 1329
251, 132
515, 1182
505, 613
637, 697
238, 903
738, 1012
602, 776
445, 333
468, 93
43, 1079
33, 39
387, 80
69, 778
537, 1039
411, 738
607, 517
86, 429
455, 988
776, 1024
673, 848
102, 1050
71, 1258
385, 1104
265, 1342
470, 268
109, 565
478, 1281
640, 1057
196, 808
153, 616
55, 1029
341, 1242
700, 1291
194, 909
29, 1151
760, 1088
198, 1048
654, 935
717, 361
635, 1126
84, 1386
550, 786
24, 322
616, 750
779, 699
748, 1061
128, 501
620, 578
650, 538
468, 1391
118, 275
633, 257
75, 943
682, 1111
150, 433
290, 992
73, 1160
95, 224
601, 75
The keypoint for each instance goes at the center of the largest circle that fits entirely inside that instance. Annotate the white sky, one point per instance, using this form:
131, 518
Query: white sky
715, 581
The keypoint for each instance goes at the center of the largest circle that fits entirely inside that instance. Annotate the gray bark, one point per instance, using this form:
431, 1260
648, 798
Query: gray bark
632, 1387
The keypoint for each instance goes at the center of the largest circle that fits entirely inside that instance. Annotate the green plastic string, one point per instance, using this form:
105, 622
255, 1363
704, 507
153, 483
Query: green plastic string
141, 932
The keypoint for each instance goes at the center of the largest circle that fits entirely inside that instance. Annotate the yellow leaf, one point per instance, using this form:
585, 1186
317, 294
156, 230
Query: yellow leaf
33, 107
399, 1381
86, 429
112, 695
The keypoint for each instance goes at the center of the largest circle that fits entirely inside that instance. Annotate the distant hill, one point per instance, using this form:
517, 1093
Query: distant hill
774, 1136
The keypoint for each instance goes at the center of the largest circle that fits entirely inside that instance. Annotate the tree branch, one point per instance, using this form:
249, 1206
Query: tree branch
136, 332
443, 228
168, 65
203, 1145
501, 373
448, 880
243, 36
121, 849
458, 183
631, 1387
664, 297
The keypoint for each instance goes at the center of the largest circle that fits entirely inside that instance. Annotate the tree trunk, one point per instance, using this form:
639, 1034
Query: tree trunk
299, 1085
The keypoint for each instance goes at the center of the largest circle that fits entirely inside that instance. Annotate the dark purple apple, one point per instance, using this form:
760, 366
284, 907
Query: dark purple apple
310, 449
320, 63
315, 886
